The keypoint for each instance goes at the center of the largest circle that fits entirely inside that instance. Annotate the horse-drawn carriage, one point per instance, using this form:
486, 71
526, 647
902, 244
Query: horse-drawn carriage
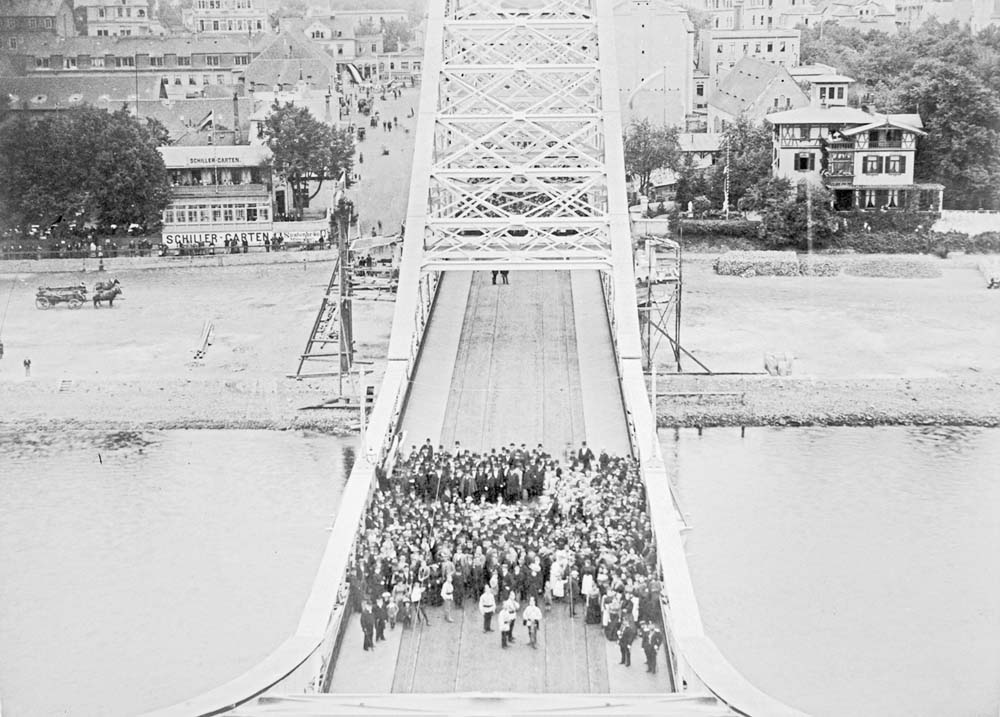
48, 296
74, 296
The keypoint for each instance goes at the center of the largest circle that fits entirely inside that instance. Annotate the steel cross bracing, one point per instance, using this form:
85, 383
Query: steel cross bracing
517, 173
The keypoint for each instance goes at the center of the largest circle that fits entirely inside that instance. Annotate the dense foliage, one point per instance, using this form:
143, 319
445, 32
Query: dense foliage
306, 152
84, 165
649, 148
946, 74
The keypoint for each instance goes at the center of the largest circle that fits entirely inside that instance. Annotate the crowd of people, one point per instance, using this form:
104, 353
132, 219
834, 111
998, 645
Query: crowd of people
510, 528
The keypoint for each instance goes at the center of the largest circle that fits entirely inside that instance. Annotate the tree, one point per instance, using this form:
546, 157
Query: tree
84, 163
396, 33
648, 148
690, 183
802, 219
962, 119
749, 160
304, 151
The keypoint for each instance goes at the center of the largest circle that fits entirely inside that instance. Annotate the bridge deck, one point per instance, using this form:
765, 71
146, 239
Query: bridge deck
529, 362
460, 657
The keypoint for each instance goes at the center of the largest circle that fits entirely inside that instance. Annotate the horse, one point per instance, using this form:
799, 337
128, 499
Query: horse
106, 295
106, 285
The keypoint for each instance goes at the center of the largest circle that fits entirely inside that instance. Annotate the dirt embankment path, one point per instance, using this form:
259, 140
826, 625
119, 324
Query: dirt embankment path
794, 401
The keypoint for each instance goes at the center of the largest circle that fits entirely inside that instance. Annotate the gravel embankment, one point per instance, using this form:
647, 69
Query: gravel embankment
792, 401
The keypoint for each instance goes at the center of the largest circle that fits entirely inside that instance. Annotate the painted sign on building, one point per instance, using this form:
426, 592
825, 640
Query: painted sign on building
217, 239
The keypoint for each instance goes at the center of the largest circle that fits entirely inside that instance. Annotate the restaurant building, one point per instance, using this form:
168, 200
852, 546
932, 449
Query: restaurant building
224, 196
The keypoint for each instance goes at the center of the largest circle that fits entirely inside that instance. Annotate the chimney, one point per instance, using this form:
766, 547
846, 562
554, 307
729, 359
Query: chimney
237, 137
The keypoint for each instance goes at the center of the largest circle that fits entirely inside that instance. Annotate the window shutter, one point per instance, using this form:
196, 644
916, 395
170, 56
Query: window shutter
902, 164
879, 165
812, 161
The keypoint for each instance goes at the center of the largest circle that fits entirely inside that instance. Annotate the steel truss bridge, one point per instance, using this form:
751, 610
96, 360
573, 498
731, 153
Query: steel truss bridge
518, 167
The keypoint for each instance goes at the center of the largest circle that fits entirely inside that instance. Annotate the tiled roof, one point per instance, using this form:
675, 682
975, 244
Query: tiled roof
181, 116
289, 58
839, 115
55, 92
745, 83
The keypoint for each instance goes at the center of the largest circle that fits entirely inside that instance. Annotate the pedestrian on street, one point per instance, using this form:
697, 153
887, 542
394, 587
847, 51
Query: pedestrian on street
381, 615
27, 368
506, 622
512, 607
532, 619
625, 637
487, 606
651, 641
367, 625
495, 272
448, 596
503, 276
417, 599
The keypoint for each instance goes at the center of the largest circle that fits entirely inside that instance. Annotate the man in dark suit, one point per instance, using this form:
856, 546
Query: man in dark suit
585, 456
381, 615
651, 641
625, 637
368, 625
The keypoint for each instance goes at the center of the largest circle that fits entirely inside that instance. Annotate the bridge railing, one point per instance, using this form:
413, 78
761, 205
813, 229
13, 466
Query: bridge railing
304, 662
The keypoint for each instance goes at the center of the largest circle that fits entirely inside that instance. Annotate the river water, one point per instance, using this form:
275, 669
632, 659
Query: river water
849, 571
137, 570
845, 571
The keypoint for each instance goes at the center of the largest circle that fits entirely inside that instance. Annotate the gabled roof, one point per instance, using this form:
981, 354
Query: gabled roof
897, 121
292, 57
31, 8
743, 85
842, 116
181, 116
61, 92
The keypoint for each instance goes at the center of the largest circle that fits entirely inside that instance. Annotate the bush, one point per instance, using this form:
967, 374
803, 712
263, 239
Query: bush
906, 222
985, 243
741, 228
819, 265
757, 263
893, 268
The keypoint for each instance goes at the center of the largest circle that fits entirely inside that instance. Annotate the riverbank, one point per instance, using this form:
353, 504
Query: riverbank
867, 351
703, 401
700, 401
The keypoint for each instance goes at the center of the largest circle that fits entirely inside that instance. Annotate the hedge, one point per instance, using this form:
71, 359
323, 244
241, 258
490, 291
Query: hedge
891, 267
757, 263
740, 228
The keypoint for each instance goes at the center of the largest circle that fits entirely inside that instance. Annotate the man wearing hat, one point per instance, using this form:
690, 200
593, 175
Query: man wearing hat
367, 625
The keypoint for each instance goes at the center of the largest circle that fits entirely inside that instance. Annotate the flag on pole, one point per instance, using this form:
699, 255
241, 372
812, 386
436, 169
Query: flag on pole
207, 121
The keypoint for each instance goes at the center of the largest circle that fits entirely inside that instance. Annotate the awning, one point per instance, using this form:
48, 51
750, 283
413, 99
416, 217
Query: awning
355, 75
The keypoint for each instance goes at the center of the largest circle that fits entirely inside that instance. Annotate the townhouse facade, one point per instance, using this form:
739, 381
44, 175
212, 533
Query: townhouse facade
224, 17
23, 20
184, 64
721, 49
866, 159
109, 18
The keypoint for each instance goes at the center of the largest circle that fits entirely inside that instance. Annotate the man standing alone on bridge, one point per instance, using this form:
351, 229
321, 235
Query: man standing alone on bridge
367, 625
